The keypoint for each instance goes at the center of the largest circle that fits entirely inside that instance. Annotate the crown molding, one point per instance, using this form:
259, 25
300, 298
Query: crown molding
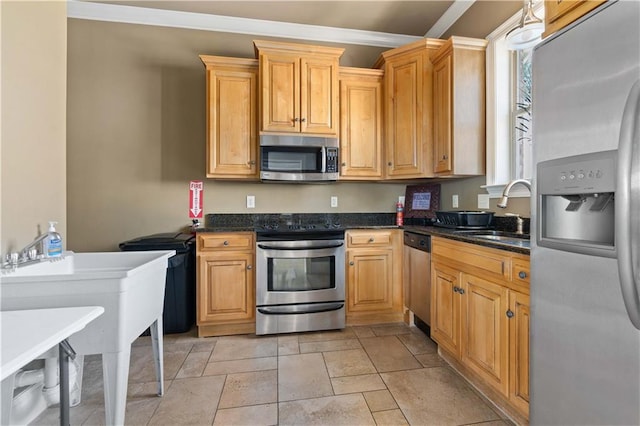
228, 24
449, 17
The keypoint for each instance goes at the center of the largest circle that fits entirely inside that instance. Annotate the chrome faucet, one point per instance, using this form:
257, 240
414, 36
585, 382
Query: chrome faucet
29, 254
505, 194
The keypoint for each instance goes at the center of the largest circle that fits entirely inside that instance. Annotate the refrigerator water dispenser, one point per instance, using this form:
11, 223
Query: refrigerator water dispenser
576, 196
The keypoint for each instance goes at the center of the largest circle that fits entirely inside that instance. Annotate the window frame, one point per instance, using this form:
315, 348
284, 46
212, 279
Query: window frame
499, 100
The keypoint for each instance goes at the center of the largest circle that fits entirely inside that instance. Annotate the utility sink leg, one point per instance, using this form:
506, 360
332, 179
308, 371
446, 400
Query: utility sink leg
158, 353
115, 372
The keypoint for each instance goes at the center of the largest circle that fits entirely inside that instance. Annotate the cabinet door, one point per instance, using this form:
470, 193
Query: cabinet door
519, 351
485, 331
226, 287
404, 117
280, 103
232, 123
319, 95
370, 280
361, 128
560, 13
442, 114
445, 307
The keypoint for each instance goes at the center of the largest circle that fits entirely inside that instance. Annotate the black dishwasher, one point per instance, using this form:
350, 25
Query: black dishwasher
417, 272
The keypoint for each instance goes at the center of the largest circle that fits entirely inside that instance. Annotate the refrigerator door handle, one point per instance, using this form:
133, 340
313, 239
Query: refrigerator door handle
627, 199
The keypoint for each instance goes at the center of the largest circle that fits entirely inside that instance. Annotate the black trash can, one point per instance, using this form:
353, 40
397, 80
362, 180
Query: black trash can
180, 288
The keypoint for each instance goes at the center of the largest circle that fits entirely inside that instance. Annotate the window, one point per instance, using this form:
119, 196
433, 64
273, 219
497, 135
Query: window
509, 141
521, 115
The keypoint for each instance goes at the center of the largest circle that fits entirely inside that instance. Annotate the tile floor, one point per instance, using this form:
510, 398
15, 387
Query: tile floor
386, 374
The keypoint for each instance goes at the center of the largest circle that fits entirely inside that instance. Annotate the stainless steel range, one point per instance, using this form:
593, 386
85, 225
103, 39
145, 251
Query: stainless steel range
300, 278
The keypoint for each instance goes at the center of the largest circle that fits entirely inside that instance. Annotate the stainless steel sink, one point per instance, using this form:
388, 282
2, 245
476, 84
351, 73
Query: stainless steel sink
510, 238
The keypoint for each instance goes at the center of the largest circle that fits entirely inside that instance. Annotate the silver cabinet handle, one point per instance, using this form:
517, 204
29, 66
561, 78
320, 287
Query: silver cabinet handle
295, 120
252, 162
344, 164
226, 243
460, 290
626, 229
249, 267
510, 313
302, 120
351, 263
522, 275
371, 239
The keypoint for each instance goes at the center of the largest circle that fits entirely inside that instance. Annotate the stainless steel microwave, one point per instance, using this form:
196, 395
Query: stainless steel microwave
292, 158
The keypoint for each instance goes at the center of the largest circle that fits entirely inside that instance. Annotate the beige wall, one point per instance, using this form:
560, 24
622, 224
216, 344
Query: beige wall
468, 190
33, 147
136, 136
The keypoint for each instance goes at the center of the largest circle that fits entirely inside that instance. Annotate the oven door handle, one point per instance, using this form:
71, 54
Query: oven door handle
276, 246
308, 309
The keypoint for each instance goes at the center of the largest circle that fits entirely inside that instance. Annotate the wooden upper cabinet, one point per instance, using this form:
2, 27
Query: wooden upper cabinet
560, 13
232, 124
360, 124
408, 109
459, 107
299, 88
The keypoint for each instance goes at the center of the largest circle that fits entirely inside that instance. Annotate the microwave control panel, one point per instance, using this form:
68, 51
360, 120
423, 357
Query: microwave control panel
332, 160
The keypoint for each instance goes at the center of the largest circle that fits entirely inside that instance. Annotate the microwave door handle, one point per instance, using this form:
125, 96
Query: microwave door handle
627, 199
323, 153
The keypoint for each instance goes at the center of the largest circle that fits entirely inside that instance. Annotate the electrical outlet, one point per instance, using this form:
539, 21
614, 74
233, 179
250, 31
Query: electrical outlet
334, 201
251, 201
483, 201
454, 201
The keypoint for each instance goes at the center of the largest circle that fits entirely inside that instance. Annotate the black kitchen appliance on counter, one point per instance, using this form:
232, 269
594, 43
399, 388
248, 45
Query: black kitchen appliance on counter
180, 287
464, 219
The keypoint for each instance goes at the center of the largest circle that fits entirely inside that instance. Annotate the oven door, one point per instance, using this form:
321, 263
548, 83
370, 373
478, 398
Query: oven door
292, 272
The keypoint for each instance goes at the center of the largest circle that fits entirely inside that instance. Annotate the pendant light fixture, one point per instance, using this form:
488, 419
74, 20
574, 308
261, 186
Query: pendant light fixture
529, 30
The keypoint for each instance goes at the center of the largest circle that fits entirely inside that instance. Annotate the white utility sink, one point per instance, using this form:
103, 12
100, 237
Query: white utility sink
130, 287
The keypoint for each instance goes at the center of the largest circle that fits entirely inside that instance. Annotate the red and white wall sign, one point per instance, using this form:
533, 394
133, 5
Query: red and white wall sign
196, 189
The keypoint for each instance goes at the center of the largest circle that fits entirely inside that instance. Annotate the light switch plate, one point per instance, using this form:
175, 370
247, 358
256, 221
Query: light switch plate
483, 201
251, 201
454, 201
334, 201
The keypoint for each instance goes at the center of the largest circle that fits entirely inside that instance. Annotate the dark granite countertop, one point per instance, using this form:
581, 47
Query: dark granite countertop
250, 222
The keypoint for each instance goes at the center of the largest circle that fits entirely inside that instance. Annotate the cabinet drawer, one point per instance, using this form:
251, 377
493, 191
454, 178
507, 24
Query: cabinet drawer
520, 271
369, 238
483, 260
230, 241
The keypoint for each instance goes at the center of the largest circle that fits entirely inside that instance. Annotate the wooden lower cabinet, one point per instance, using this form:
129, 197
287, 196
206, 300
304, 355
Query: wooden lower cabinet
374, 276
225, 284
445, 307
480, 319
485, 330
519, 351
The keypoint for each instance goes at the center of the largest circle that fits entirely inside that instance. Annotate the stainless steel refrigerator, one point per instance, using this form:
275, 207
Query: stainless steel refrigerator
585, 257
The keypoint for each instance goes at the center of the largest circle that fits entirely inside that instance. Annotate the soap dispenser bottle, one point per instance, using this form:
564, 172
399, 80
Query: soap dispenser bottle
53, 242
